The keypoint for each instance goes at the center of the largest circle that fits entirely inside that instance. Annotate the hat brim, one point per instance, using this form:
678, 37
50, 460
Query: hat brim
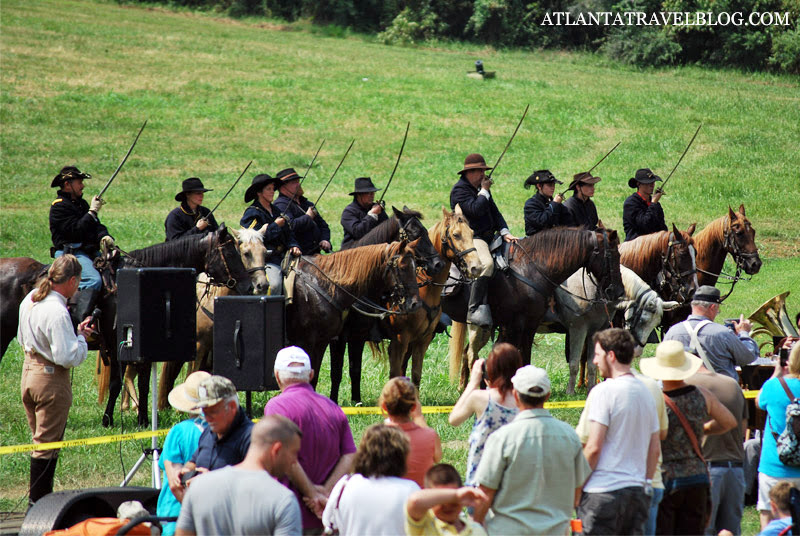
591, 180
483, 167
180, 196
651, 367
632, 182
252, 191
206, 403
179, 399
365, 191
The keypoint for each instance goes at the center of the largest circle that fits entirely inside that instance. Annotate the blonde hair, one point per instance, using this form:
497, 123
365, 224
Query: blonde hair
62, 269
399, 396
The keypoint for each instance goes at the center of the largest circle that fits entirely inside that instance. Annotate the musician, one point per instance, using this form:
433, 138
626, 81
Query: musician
309, 227
473, 193
75, 228
278, 237
581, 209
642, 214
363, 214
543, 211
191, 217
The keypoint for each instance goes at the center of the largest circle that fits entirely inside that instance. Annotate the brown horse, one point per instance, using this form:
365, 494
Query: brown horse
18, 276
666, 262
412, 333
728, 234
254, 258
327, 285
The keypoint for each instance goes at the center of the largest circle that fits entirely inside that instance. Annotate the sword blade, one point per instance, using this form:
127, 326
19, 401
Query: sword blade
403, 146
334, 172
661, 189
231, 188
521, 119
123, 161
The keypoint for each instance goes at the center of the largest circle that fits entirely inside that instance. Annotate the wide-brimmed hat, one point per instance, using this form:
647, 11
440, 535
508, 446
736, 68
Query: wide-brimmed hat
184, 397
192, 184
543, 176
286, 175
363, 185
671, 363
214, 390
644, 176
68, 173
707, 293
531, 381
583, 178
474, 161
259, 181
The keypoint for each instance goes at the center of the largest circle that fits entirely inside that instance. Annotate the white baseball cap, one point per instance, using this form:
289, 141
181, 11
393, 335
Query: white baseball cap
292, 359
529, 377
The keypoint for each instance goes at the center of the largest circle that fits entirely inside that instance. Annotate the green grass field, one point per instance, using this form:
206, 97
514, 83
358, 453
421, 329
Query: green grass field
78, 78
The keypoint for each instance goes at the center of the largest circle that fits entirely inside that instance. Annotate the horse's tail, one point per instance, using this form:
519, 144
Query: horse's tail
379, 351
102, 377
458, 334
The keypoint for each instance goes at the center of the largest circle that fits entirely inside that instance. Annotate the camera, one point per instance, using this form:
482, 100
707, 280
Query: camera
730, 323
185, 477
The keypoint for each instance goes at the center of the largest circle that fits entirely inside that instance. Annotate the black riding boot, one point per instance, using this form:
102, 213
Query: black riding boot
85, 301
479, 312
43, 471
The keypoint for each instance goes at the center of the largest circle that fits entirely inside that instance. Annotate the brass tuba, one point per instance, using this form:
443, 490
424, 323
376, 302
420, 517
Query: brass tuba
773, 320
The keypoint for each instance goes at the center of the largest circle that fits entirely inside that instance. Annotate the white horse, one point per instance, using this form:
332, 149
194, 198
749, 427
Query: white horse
578, 309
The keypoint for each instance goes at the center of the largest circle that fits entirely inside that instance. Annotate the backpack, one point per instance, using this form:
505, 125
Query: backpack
789, 440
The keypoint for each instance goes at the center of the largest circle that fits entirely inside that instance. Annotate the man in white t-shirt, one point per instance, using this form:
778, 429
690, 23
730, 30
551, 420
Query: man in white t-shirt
623, 444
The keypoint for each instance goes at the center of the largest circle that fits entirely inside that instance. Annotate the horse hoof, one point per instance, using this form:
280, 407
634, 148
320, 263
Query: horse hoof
108, 421
144, 423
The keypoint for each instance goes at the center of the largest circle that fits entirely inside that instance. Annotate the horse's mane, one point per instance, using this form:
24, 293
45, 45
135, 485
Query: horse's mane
354, 268
713, 232
249, 236
638, 254
557, 247
632, 282
165, 253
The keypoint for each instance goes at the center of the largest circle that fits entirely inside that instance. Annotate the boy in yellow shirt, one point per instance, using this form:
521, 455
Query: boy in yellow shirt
438, 509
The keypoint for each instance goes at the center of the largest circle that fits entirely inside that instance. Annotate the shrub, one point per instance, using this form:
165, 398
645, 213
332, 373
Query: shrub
786, 51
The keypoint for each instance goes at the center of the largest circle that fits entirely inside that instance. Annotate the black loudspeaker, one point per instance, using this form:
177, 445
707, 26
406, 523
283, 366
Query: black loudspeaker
248, 332
156, 314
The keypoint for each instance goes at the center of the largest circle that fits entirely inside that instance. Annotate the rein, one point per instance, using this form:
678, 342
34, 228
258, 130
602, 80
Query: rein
730, 246
670, 271
449, 244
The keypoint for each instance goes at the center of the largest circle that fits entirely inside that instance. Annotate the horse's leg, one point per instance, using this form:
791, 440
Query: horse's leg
170, 371
417, 350
144, 393
129, 399
478, 337
336, 347
456, 349
576, 337
397, 354
591, 368
355, 353
114, 388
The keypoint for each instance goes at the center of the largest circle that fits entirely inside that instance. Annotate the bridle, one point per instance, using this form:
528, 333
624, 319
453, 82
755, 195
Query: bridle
731, 246
218, 249
404, 234
670, 271
448, 244
397, 294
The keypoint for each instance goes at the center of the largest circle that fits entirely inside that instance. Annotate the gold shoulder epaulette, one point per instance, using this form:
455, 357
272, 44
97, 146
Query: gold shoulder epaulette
56, 201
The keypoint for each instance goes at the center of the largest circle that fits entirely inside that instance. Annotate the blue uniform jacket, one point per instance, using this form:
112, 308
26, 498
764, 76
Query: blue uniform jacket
483, 215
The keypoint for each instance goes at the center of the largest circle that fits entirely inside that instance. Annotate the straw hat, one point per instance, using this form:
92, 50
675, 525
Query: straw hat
184, 397
671, 362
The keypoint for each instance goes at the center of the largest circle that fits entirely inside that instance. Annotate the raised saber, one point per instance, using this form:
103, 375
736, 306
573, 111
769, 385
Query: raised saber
380, 201
229, 190
661, 188
100, 195
521, 119
308, 170
334, 173
597, 164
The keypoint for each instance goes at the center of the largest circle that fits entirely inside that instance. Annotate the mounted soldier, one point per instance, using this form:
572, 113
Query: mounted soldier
363, 214
581, 208
278, 237
309, 227
191, 217
543, 211
75, 228
642, 213
472, 194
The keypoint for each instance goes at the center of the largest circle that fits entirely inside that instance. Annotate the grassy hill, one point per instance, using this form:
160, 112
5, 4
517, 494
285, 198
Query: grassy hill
78, 78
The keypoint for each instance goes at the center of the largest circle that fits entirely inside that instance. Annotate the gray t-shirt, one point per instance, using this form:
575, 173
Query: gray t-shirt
239, 501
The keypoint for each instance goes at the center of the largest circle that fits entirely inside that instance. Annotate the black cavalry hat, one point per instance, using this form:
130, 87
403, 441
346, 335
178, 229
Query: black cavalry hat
707, 293
583, 177
286, 175
645, 176
543, 176
259, 181
192, 184
68, 173
363, 185
474, 161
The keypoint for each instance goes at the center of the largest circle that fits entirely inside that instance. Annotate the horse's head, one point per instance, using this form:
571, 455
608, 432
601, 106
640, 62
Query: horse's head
412, 229
644, 309
224, 263
680, 267
454, 239
740, 241
604, 264
254, 256
400, 276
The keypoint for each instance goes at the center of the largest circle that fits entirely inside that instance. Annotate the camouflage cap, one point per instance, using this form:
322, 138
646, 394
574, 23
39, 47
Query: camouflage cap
214, 390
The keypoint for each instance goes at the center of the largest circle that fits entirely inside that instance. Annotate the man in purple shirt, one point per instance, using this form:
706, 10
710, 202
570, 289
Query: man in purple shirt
327, 449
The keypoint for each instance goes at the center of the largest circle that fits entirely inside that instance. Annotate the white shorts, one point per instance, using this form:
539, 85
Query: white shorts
765, 484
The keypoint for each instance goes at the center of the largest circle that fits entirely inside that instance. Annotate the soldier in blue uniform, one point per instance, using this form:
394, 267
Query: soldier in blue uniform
363, 214
581, 208
191, 217
642, 213
543, 211
310, 229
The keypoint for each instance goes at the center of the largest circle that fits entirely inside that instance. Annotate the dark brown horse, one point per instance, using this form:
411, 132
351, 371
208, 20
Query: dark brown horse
519, 296
403, 224
18, 276
214, 253
326, 286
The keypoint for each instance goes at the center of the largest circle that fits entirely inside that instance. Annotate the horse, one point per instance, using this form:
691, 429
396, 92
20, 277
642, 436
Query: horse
518, 296
18, 276
666, 262
213, 253
250, 243
410, 334
356, 330
582, 314
326, 286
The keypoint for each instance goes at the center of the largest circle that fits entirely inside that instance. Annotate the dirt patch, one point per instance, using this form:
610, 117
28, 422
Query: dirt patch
778, 249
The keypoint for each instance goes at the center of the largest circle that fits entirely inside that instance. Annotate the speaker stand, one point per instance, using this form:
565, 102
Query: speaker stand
154, 450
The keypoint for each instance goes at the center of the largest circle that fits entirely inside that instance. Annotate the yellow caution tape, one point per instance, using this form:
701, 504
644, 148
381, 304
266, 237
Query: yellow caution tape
14, 449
